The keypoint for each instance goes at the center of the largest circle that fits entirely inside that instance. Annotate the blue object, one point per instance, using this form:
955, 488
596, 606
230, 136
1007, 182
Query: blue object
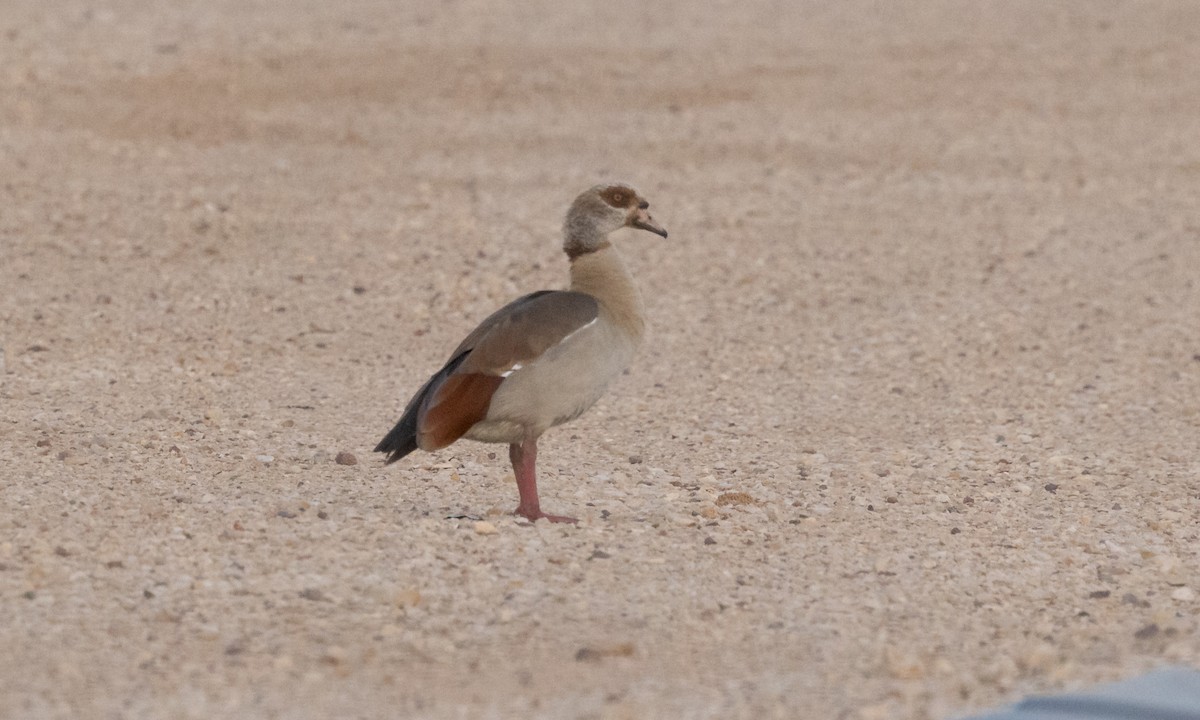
1171, 693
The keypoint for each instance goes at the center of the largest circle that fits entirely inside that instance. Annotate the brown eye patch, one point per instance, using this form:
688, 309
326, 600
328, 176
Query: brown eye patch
619, 197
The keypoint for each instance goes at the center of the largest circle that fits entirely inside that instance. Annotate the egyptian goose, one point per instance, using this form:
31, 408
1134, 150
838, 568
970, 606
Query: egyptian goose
544, 358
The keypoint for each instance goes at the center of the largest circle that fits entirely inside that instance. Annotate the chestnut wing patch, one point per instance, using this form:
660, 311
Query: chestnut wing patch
402, 439
458, 403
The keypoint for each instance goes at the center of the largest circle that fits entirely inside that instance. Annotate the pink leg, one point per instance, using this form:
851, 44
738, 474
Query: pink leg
524, 460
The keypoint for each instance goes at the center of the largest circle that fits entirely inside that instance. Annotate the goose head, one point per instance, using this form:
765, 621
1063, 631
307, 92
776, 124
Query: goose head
601, 210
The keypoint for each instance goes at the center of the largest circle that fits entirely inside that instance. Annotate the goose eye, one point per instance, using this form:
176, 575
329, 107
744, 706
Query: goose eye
619, 197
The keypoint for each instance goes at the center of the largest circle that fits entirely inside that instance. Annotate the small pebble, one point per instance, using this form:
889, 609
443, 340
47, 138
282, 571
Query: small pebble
635, 459
407, 598
1099, 594
483, 527
1147, 632
903, 665
735, 498
345, 458
1183, 594
264, 458
709, 540
590, 654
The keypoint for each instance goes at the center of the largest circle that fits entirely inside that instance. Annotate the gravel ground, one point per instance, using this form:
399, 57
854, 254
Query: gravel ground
915, 431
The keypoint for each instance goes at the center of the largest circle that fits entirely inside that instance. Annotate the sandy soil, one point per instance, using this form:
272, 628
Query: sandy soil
916, 431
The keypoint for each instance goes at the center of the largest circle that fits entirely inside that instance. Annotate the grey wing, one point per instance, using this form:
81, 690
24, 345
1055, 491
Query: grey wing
525, 328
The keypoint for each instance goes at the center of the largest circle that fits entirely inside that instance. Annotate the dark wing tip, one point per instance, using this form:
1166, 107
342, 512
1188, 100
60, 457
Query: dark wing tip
401, 441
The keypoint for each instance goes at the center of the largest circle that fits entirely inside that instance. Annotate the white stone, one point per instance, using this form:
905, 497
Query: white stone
1183, 594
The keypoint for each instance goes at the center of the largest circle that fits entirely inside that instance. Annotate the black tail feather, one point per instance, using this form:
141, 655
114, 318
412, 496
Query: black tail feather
400, 441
